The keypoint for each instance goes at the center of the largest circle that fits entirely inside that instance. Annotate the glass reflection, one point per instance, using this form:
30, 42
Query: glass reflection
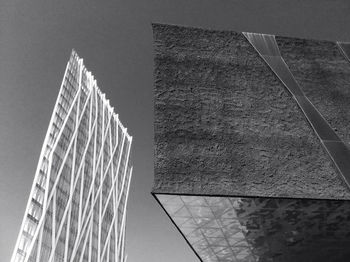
321, 126
341, 156
264, 44
210, 225
263, 229
280, 68
345, 48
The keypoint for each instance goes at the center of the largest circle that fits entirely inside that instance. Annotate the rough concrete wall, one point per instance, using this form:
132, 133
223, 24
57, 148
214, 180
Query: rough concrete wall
324, 75
225, 125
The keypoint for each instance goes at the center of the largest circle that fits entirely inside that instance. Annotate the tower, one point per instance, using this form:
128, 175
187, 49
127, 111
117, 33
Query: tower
76, 209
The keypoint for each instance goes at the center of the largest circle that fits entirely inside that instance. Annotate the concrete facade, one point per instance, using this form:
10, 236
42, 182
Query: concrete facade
226, 125
251, 144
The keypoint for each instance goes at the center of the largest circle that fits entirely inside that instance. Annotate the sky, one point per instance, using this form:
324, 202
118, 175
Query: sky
115, 39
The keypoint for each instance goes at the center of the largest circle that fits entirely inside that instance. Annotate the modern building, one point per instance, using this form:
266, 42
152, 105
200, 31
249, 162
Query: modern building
252, 159
77, 205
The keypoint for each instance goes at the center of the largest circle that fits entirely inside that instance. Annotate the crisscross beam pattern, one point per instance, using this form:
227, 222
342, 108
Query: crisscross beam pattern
77, 205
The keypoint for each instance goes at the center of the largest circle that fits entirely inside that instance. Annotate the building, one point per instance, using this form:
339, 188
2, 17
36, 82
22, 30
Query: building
252, 158
77, 205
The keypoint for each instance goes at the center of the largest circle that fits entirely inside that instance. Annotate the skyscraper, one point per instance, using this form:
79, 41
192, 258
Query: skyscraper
77, 205
252, 158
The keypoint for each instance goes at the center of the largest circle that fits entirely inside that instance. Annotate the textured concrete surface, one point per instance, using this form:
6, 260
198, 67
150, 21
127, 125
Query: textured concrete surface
225, 125
324, 75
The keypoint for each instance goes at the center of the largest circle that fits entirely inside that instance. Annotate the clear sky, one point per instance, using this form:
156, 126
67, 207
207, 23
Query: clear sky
115, 39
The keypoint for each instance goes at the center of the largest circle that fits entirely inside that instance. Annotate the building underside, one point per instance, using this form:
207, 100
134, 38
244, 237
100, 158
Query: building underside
252, 158
261, 229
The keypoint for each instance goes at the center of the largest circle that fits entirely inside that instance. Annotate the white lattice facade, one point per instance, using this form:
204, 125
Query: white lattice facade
77, 206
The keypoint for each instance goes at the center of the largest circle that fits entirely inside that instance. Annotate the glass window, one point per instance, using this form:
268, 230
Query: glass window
322, 128
280, 68
341, 155
264, 44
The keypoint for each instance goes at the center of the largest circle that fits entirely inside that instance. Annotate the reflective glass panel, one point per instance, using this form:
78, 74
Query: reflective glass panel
204, 222
345, 47
341, 156
263, 229
322, 128
280, 68
264, 44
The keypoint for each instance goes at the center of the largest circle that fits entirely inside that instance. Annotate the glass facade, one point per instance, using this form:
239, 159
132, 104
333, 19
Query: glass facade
77, 206
345, 48
235, 229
